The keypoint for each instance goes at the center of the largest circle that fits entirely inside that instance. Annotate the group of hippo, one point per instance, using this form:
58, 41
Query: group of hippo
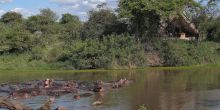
55, 88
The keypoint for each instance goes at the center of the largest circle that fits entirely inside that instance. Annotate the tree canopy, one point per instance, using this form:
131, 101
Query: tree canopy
11, 18
153, 13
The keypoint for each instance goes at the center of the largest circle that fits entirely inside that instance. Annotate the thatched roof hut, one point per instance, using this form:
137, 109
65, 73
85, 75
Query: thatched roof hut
182, 25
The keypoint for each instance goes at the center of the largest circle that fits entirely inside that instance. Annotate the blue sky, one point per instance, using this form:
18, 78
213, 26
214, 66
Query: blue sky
32, 7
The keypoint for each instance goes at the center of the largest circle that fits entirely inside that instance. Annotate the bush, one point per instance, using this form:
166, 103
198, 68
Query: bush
125, 51
114, 51
211, 29
180, 53
15, 39
22, 62
84, 54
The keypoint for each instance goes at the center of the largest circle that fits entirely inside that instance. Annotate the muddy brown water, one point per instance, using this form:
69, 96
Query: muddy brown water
157, 89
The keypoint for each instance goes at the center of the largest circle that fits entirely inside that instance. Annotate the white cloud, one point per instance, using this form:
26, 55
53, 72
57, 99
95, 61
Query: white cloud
2, 12
85, 2
17, 10
5, 1
82, 13
81, 7
75, 6
65, 1
92, 5
77, 3
22, 11
97, 0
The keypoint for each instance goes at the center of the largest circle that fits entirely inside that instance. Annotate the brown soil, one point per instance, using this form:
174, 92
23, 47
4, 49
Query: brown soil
154, 59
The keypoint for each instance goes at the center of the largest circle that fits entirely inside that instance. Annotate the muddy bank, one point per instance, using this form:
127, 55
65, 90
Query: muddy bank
10, 93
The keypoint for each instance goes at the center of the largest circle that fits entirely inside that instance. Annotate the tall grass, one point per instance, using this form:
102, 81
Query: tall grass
185, 53
23, 62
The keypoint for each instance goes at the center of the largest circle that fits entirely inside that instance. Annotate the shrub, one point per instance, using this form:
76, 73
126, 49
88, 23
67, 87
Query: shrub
211, 29
22, 62
15, 39
114, 51
125, 51
180, 53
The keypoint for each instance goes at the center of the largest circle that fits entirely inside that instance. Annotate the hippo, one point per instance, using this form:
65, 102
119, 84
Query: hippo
25, 93
121, 83
48, 83
98, 86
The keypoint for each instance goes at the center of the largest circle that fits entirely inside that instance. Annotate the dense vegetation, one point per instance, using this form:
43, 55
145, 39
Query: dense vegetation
112, 39
179, 53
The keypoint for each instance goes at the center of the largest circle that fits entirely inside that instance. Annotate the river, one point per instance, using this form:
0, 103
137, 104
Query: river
157, 88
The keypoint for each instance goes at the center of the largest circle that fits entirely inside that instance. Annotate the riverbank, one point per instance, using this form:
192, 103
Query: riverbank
185, 53
164, 53
2, 71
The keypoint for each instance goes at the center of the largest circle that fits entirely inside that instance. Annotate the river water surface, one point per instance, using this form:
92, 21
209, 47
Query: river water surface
158, 89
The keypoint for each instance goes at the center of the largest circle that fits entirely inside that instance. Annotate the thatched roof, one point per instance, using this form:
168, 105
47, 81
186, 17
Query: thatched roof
185, 25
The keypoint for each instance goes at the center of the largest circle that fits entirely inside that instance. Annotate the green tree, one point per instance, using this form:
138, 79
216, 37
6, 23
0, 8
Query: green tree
100, 23
211, 7
34, 23
48, 15
11, 18
68, 18
212, 29
71, 26
207, 18
45, 22
15, 39
147, 16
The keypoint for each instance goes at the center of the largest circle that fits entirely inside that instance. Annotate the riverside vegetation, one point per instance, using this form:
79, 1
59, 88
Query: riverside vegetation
111, 39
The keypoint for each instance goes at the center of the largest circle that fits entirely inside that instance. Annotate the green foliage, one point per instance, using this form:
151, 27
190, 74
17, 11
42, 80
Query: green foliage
43, 23
84, 54
106, 39
48, 15
114, 50
147, 17
179, 53
68, 18
140, 17
22, 62
15, 39
71, 26
100, 23
34, 23
125, 51
212, 29
11, 18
